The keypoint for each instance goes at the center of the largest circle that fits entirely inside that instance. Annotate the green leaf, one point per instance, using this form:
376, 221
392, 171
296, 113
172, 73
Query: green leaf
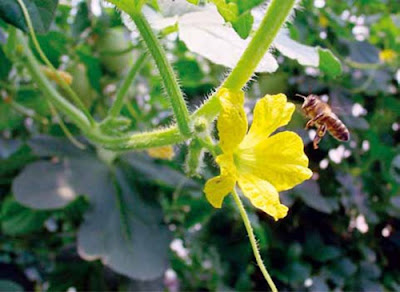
17, 219
148, 169
6, 285
140, 253
246, 5
54, 44
395, 169
41, 12
363, 52
243, 24
81, 21
45, 185
229, 11
310, 193
195, 2
5, 65
126, 233
328, 63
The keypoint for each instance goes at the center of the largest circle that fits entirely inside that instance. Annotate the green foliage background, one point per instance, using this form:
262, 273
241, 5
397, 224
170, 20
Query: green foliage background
142, 204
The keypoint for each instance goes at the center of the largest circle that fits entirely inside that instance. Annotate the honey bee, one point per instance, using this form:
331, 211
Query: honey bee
323, 118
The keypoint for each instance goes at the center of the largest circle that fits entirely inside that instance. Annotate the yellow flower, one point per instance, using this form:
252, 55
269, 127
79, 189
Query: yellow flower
387, 55
262, 164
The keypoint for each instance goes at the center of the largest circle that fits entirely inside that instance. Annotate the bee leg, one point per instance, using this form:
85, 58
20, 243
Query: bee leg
312, 122
309, 124
318, 136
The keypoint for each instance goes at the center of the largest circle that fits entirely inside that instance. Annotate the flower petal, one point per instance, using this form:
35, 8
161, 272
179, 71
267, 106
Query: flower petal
270, 113
262, 195
232, 121
217, 188
279, 159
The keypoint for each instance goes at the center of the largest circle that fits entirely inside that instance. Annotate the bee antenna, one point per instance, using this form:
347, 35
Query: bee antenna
302, 96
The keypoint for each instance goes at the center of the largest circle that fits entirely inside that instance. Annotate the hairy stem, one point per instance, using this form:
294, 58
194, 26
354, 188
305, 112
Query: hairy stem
121, 143
42, 55
253, 241
277, 13
167, 74
119, 100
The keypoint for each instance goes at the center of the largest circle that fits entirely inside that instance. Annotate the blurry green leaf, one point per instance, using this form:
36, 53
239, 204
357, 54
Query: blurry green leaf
93, 68
81, 21
310, 193
3, 37
152, 285
395, 169
54, 44
328, 63
363, 52
395, 202
195, 2
148, 169
8, 147
243, 24
16, 161
47, 185
370, 270
343, 268
326, 253
5, 65
319, 284
76, 273
47, 146
10, 286
189, 72
17, 219
41, 12
296, 273
246, 5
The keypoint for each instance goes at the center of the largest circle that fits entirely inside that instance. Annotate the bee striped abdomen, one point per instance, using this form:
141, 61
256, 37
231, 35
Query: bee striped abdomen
336, 128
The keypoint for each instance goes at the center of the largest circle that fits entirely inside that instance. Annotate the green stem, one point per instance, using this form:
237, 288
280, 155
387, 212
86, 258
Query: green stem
144, 140
28, 112
42, 55
65, 129
119, 100
253, 241
277, 13
167, 74
275, 17
44, 84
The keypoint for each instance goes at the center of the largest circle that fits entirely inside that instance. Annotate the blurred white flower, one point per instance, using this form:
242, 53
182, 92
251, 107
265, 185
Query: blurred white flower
205, 32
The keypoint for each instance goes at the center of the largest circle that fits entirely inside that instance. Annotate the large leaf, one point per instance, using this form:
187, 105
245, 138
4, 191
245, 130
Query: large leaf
135, 245
51, 185
310, 193
119, 227
163, 175
41, 12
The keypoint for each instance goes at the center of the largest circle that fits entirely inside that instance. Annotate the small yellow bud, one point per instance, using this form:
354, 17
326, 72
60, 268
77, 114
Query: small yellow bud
164, 152
323, 21
52, 75
387, 55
